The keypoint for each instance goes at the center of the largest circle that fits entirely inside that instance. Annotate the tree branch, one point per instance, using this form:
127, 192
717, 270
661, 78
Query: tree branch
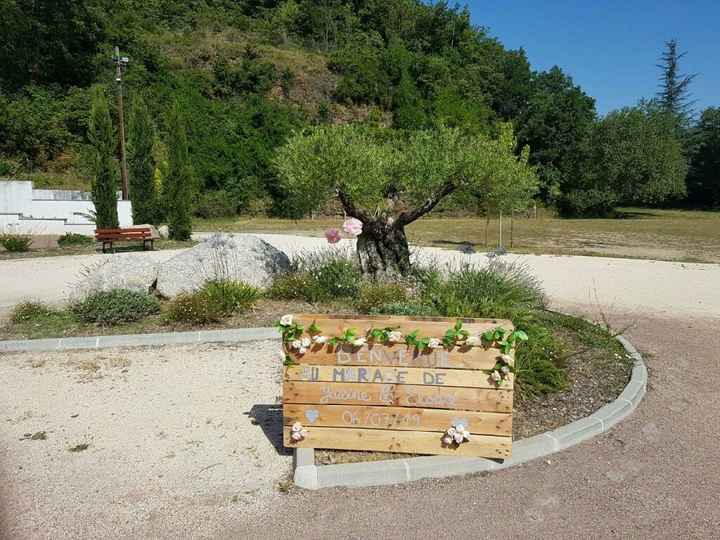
350, 208
406, 218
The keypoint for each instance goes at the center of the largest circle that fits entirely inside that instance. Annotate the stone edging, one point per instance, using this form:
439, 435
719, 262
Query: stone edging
394, 471
374, 473
139, 340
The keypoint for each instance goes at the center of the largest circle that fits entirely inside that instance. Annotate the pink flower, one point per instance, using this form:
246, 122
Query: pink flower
353, 226
333, 236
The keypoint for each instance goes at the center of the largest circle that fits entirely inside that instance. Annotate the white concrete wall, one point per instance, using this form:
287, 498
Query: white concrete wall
70, 210
15, 197
60, 195
50, 211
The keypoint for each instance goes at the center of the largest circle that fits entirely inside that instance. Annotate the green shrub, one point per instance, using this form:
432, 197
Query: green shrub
30, 311
289, 286
538, 367
413, 308
15, 242
497, 290
115, 306
194, 308
72, 239
334, 279
215, 204
230, 296
319, 276
373, 295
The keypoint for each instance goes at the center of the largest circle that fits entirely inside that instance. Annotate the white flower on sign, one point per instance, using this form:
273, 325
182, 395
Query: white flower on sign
359, 342
395, 337
456, 434
435, 343
286, 320
320, 339
305, 342
505, 370
495, 376
296, 344
298, 432
473, 341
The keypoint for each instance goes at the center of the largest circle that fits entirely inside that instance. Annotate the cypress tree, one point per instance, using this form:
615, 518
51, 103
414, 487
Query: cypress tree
178, 183
105, 179
142, 164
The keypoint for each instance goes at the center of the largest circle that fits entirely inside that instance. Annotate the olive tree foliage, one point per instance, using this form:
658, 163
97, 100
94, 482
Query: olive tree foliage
389, 179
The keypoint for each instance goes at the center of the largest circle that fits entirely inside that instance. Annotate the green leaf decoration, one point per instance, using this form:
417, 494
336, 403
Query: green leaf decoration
313, 328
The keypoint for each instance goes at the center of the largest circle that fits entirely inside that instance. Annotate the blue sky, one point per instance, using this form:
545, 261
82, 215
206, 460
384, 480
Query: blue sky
610, 47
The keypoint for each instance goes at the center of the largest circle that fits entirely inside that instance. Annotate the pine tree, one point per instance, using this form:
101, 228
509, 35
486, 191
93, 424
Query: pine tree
142, 164
179, 181
674, 94
105, 178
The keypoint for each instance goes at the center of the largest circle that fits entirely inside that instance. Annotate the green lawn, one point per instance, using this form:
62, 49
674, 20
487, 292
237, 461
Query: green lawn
674, 235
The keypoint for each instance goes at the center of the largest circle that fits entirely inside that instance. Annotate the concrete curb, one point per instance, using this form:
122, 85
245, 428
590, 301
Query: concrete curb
140, 340
377, 473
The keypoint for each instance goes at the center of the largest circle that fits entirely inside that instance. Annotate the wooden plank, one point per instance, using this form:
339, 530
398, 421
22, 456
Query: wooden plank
413, 442
418, 376
427, 326
398, 355
399, 418
399, 395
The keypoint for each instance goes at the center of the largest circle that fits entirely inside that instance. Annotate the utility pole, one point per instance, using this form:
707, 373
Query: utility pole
121, 63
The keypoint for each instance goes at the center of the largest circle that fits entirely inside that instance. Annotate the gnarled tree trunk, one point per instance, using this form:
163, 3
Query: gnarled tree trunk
382, 248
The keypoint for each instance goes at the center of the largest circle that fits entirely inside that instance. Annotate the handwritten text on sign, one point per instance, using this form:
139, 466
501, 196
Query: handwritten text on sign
374, 375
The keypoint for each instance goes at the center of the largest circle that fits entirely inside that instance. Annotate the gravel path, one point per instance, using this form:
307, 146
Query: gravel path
627, 285
186, 434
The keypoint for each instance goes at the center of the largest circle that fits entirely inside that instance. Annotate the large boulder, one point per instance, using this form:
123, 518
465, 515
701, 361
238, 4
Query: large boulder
134, 271
238, 257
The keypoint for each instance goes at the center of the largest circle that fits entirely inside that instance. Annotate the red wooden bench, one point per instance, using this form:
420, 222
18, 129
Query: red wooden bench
108, 236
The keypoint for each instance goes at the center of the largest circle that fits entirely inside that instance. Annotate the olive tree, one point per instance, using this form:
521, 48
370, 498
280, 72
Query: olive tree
390, 179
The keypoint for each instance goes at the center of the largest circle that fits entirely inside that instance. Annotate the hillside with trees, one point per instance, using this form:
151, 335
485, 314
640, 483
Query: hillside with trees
215, 87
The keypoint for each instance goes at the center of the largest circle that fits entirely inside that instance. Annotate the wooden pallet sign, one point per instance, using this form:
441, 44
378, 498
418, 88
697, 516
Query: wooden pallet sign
424, 385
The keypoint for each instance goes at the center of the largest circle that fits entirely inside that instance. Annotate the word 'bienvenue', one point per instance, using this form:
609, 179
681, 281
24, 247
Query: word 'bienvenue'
397, 356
